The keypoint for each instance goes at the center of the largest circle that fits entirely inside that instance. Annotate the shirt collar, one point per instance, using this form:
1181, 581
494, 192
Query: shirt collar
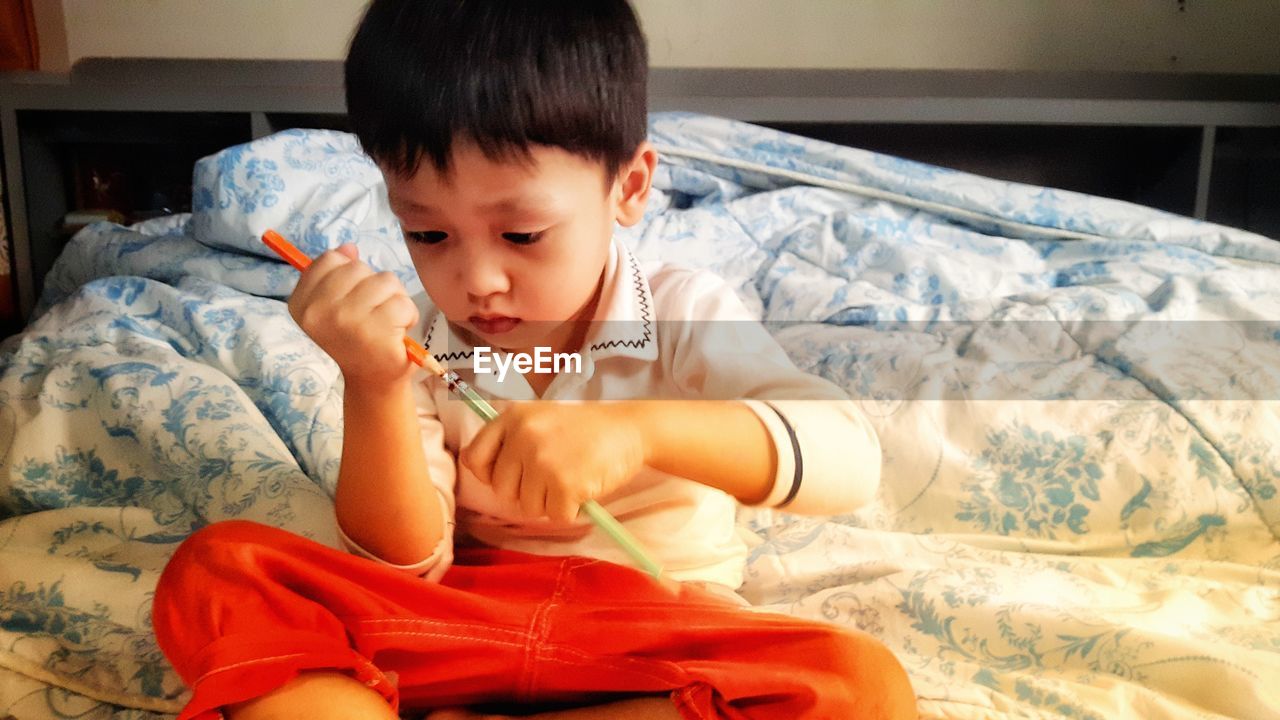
624, 325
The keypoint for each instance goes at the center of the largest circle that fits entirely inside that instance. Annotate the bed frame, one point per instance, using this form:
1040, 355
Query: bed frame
1191, 144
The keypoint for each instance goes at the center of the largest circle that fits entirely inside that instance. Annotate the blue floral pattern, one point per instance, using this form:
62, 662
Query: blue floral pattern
1076, 399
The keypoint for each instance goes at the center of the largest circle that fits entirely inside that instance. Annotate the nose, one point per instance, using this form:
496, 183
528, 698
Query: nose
483, 274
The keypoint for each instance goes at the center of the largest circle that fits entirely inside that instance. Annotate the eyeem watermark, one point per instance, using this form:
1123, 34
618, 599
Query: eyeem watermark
541, 360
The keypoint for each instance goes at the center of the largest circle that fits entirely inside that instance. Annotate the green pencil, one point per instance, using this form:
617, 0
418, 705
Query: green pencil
594, 510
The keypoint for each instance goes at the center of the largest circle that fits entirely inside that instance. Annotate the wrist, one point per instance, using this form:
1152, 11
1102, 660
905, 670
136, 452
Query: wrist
643, 417
371, 366
366, 383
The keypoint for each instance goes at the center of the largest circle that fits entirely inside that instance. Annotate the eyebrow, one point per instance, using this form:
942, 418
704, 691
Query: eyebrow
535, 203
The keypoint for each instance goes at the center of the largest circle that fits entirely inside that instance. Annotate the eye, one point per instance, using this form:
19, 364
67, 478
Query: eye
522, 238
427, 237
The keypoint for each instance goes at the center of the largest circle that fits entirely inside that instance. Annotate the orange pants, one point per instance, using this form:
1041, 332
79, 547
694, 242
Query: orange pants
242, 608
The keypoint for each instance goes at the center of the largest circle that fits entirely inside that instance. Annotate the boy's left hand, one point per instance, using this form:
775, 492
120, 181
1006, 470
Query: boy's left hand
546, 459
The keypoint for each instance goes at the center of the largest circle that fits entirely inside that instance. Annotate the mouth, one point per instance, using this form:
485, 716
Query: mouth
493, 324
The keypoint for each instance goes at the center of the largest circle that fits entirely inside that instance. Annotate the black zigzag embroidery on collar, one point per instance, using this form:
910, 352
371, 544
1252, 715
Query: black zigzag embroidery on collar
447, 357
638, 281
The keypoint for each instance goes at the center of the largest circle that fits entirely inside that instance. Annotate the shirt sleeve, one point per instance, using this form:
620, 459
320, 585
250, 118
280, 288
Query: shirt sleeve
442, 470
828, 453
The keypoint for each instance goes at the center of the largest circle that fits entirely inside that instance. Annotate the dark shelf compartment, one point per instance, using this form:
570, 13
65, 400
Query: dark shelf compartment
1154, 166
137, 164
1246, 180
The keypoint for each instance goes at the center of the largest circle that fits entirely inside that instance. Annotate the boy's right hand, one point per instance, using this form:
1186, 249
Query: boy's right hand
357, 316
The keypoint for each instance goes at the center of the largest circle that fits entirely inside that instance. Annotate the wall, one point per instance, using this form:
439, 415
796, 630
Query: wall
1140, 35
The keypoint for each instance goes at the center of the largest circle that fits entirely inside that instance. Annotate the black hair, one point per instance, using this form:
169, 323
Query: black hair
503, 74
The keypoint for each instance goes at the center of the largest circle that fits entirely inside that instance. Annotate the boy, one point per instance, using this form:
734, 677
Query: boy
511, 137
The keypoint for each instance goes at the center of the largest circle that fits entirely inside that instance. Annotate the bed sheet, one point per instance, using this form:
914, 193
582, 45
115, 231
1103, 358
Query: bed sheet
1076, 399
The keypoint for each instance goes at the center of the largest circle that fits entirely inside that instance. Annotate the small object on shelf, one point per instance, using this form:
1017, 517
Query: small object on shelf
8, 300
76, 219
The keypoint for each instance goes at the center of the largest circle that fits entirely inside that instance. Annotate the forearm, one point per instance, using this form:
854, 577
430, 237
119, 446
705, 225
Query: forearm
385, 500
818, 458
721, 444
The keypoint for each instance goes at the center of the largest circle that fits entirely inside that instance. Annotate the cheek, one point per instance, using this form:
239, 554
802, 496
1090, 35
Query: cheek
434, 274
553, 287
587, 264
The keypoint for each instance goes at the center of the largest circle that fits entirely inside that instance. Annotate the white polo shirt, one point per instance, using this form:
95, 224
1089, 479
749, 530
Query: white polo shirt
668, 333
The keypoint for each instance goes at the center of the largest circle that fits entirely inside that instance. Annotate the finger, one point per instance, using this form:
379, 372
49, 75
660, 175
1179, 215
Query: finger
348, 250
324, 262
323, 303
479, 455
303, 289
337, 285
507, 478
305, 303
314, 275
533, 497
561, 505
377, 290
398, 311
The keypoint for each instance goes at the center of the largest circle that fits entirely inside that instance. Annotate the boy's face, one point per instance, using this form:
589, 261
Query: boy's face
513, 252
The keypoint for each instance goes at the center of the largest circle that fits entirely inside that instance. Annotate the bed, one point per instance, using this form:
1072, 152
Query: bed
1076, 399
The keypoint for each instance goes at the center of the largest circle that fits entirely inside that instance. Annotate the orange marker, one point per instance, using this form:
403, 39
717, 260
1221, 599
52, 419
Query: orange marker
287, 250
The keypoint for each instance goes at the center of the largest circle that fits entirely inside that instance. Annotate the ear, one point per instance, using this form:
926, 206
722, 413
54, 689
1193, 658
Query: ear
631, 189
